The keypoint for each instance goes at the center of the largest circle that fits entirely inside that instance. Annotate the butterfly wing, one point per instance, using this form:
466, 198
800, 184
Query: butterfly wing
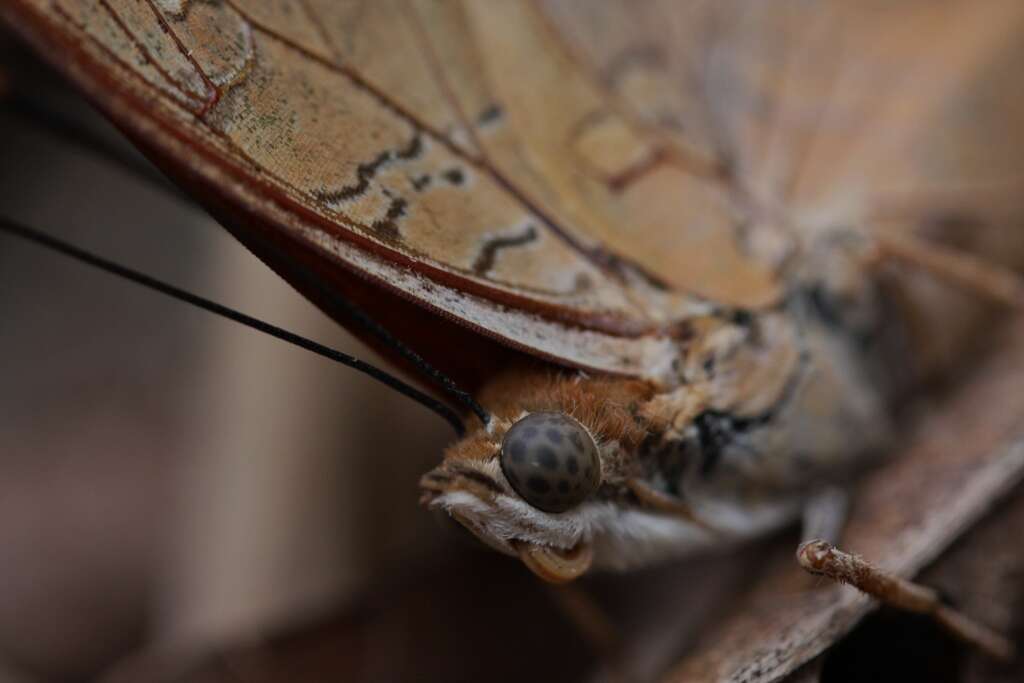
570, 178
289, 120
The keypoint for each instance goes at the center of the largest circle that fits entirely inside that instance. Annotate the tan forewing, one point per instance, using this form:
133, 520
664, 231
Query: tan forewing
296, 133
595, 168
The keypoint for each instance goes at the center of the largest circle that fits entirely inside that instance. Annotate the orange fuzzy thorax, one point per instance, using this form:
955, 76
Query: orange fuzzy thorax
608, 407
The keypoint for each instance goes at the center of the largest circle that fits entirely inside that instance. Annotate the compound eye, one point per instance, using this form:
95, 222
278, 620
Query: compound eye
551, 461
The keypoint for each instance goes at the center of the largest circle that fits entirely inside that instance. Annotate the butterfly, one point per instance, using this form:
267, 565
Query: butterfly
647, 241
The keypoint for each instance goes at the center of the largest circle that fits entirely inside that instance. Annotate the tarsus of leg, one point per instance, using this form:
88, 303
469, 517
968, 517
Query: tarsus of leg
960, 268
822, 558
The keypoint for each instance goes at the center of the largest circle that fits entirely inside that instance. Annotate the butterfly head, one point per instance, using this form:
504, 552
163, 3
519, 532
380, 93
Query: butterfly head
538, 483
521, 488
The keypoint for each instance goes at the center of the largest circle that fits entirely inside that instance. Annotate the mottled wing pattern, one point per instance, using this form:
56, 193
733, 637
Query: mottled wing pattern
571, 177
310, 118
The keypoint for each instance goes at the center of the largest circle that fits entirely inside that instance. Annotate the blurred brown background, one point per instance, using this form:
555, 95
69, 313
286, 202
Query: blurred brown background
165, 474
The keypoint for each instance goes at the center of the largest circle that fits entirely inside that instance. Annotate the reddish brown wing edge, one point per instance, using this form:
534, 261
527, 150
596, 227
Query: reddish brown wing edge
450, 327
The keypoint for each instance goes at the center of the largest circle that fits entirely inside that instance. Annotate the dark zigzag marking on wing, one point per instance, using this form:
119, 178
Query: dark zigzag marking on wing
366, 171
485, 259
388, 225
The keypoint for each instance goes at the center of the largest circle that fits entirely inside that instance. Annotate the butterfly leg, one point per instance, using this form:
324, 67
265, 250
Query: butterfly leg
584, 612
663, 502
594, 624
960, 268
822, 558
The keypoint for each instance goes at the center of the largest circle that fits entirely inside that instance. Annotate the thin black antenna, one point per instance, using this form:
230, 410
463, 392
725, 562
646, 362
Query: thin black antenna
389, 340
40, 238
87, 138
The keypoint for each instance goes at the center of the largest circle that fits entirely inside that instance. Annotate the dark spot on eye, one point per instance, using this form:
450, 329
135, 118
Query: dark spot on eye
530, 433
538, 485
547, 458
577, 441
572, 465
563, 486
554, 436
518, 452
